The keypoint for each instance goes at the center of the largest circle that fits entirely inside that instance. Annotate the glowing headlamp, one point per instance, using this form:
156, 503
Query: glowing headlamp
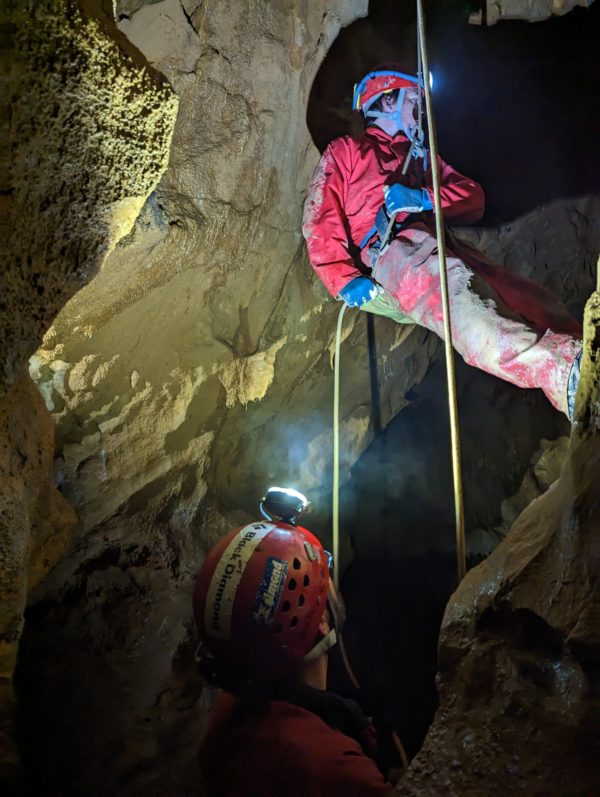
283, 503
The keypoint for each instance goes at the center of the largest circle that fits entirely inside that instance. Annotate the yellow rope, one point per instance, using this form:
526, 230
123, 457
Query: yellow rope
336, 452
439, 225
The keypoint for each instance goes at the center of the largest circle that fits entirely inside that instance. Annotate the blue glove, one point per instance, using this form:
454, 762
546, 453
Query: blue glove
359, 291
401, 199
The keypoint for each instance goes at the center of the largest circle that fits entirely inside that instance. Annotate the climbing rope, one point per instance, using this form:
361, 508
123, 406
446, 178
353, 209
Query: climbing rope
459, 513
423, 70
336, 451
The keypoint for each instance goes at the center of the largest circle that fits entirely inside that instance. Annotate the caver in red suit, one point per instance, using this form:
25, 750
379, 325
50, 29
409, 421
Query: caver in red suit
502, 323
268, 614
310, 743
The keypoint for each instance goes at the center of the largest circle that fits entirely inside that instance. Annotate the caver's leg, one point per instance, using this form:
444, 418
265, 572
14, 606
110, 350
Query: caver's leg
485, 332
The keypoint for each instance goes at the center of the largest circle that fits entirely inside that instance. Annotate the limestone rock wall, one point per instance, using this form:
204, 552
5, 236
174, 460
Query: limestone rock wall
90, 129
182, 329
89, 133
36, 524
520, 641
530, 10
189, 373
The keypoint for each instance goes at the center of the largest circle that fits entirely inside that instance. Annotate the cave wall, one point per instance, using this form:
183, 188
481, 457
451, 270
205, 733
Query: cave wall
192, 371
519, 650
494, 11
36, 524
169, 375
89, 129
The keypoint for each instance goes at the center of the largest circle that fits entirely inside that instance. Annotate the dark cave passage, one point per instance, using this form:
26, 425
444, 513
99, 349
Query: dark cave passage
516, 104
495, 91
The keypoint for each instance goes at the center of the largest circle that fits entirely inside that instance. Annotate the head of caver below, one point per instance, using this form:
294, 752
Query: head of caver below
390, 99
268, 614
265, 606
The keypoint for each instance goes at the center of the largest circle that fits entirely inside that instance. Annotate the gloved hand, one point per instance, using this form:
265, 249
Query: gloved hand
400, 198
359, 291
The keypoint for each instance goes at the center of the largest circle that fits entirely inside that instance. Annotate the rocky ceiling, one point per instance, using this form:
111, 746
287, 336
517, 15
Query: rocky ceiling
493, 11
181, 352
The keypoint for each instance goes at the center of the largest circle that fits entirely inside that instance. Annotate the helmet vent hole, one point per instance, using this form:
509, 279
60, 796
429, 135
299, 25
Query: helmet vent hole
297, 564
301, 600
285, 606
306, 581
292, 584
293, 622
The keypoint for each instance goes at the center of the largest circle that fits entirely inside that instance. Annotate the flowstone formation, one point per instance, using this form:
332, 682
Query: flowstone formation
90, 129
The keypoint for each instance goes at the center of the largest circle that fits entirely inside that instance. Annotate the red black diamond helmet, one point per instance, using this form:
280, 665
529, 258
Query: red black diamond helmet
260, 596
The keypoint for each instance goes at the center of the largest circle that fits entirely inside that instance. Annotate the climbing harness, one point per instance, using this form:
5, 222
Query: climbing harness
360, 100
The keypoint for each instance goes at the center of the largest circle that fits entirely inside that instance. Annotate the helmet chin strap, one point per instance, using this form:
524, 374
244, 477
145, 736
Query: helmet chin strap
337, 614
324, 646
395, 116
417, 147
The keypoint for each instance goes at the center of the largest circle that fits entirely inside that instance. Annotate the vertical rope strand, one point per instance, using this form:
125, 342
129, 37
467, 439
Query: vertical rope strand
451, 377
335, 495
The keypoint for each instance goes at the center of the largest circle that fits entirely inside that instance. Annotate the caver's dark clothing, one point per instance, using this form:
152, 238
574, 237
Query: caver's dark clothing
310, 744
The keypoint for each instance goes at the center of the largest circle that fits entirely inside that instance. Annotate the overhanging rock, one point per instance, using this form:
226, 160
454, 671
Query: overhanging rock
530, 10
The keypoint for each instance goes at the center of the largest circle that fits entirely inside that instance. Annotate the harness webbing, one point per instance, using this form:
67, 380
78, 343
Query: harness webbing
367, 237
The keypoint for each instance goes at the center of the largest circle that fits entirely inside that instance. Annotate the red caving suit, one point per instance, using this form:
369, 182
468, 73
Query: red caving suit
502, 323
283, 750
